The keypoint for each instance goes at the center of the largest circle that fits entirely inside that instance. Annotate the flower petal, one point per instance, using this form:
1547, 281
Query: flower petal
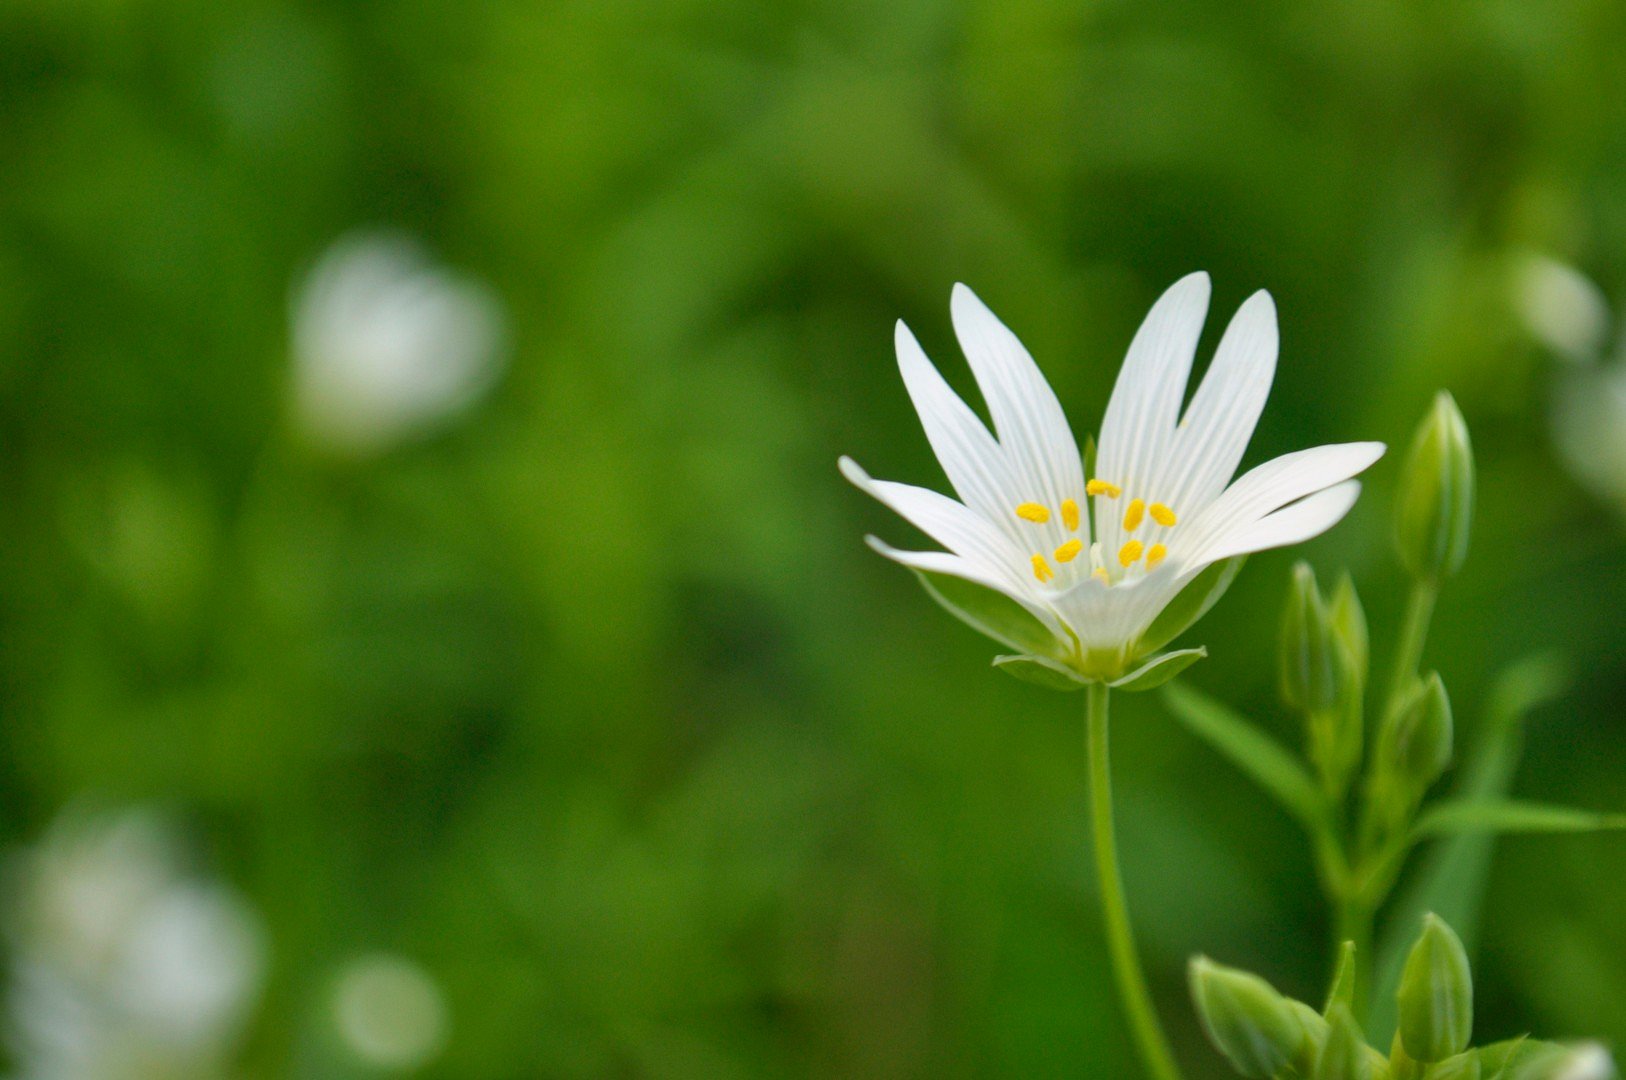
1226, 407
1265, 489
973, 461
1139, 427
942, 562
958, 528
1032, 429
1309, 517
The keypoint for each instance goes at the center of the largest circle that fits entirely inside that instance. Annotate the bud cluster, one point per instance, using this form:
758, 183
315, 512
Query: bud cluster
1265, 1034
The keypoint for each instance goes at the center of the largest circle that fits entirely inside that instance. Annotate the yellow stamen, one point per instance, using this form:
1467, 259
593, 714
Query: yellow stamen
1101, 487
1101, 573
1069, 551
1069, 514
1155, 556
1041, 569
1033, 512
1162, 514
1134, 516
1130, 552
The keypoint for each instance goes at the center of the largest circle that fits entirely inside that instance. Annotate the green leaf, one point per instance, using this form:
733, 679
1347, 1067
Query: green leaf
990, 612
1159, 670
1342, 991
1259, 756
1192, 604
1507, 816
1041, 671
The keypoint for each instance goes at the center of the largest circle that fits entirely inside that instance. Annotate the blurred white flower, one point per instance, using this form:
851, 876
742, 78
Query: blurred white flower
1589, 427
388, 345
389, 1012
1588, 1061
124, 964
1561, 307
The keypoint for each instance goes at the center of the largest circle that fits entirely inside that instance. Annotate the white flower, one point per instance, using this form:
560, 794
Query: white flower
1095, 559
390, 1012
1561, 307
387, 345
1587, 1061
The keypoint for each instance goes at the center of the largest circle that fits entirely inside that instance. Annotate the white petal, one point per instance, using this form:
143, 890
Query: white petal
1145, 405
1226, 407
970, 457
1264, 489
1309, 517
1139, 427
961, 530
1032, 429
1109, 617
942, 562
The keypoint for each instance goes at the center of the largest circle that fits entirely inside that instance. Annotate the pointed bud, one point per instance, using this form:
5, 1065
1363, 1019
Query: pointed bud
1309, 674
1348, 620
1344, 1055
1245, 1018
1436, 995
1435, 504
1417, 738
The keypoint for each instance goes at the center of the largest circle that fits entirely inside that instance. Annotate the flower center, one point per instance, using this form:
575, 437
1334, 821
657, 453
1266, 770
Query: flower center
1136, 511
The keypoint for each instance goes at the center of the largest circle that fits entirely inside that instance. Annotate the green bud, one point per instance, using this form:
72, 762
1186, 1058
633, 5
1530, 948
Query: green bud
1435, 504
1344, 1057
1348, 621
1461, 1067
1416, 742
1436, 995
1245, 1018
1309, 663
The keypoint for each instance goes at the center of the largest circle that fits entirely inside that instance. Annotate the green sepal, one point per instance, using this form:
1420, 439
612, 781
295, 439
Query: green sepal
1159, 670
1042, 671
990, 612
1260, 757
1193, 602
1246, 1019
1508, 816
1464, 1066
1342, 990
1344, 1056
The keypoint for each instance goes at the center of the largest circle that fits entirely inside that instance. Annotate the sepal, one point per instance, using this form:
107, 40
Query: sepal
1192, 603
1245, 1018
1158, 670
1042, 671
990, 612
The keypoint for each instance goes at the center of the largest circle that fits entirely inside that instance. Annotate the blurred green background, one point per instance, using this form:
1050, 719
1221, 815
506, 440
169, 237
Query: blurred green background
590, 701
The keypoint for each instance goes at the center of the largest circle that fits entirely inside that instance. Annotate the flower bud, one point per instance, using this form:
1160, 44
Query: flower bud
1416, 742
1344, 1057
1245, 1018
1435, 504
1436, 995
1348, 621
1309, 664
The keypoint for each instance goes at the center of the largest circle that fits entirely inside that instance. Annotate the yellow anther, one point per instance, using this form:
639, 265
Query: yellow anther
1155, 556
1033, 512
1069, 551
1041, 569
1069, 514
1134, 515
1101, 487
1162, 514
1130, 552
1100, 574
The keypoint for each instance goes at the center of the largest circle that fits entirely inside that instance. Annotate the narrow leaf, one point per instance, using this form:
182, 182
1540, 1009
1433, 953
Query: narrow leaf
1259, 756
1159, 670
1507, 816
1041, 671
989, 612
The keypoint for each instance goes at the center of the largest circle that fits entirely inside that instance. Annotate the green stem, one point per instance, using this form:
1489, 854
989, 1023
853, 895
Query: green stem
1354, 923
1137, 1002
1413, 632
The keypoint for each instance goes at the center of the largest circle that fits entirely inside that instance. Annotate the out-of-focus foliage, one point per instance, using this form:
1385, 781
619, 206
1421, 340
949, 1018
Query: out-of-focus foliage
588, 705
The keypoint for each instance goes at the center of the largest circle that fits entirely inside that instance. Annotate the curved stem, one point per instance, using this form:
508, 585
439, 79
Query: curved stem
1126, 969
1413, 632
